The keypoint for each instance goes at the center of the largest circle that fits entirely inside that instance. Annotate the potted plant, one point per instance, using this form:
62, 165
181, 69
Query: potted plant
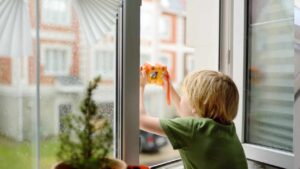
86, 139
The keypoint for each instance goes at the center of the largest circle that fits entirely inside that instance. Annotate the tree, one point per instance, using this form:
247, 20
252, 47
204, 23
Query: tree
86, 140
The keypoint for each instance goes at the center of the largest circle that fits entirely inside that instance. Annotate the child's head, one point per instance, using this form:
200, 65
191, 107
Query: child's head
212, 95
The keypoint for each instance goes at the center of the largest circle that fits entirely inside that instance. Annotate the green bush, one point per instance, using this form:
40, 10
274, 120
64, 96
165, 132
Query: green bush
86, 139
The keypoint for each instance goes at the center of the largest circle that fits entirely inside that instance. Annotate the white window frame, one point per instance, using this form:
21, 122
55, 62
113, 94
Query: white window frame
127, 83
253, 152
66, 48
55, 23
164, 32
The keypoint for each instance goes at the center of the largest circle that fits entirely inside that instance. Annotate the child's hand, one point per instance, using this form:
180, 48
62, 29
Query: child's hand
143, 78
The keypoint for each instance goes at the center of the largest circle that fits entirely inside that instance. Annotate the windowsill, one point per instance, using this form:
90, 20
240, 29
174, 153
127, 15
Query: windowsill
172, 164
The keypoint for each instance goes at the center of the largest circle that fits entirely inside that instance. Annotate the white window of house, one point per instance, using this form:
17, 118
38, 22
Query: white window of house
267, 79
166, 28
176, 5
56, 12
56, 60
104, 63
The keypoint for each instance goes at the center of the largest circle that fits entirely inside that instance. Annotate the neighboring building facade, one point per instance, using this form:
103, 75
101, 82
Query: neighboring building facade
68, 62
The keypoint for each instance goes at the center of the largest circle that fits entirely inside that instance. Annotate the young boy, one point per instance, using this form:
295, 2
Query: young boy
204, 133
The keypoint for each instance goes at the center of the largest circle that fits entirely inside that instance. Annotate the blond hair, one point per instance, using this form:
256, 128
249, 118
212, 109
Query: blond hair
212, 94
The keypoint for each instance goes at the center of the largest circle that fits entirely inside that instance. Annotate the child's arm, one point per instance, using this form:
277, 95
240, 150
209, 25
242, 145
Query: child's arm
176, 99
147, 123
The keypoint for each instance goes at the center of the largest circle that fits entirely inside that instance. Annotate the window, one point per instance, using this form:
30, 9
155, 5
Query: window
57, 60
56, 12
167, 45
189, 63
167, 28
30, 120
176, 5
68, 67
31, 107
154, 148
270, 83
104, 63
168, 58
270, 111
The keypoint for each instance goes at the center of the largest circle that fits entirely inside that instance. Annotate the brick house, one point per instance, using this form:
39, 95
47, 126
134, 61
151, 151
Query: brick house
67, 63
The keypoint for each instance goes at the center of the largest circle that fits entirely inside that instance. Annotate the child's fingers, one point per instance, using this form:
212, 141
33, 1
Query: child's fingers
165, 83
166, 79
143, 74
166, 76
143, 78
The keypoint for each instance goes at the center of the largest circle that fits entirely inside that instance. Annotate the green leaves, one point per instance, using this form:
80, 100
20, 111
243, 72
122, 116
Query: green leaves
86, 139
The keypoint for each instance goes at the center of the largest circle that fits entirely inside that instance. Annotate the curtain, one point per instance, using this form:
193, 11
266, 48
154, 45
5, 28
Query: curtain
96, 17
15, 34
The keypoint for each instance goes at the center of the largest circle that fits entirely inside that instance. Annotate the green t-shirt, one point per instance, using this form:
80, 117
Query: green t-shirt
204, 143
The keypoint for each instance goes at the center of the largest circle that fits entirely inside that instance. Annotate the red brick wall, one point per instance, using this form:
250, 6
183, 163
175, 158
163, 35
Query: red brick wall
48, 80
73, 28
5, 70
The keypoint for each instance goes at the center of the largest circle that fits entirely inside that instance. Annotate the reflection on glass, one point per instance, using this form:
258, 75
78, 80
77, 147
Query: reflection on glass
68, 62
162, 41
17, 97
56, 12
70, 58
270, 81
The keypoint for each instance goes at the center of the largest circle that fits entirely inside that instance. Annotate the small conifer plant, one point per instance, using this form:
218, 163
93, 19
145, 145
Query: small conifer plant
86, 139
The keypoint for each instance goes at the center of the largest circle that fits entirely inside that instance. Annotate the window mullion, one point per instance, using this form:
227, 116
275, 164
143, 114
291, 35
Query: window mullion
38, 104
128, 82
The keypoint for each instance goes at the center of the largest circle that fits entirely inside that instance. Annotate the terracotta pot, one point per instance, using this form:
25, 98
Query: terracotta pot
116, 164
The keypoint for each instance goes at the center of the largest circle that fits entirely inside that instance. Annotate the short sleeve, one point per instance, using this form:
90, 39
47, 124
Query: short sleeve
180, 131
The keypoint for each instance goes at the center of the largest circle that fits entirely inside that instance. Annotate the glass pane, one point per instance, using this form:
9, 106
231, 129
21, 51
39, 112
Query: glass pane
17, 86
270, 81
73, 62
56, 12
162, 41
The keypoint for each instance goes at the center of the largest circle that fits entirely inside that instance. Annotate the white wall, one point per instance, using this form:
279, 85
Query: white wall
203, 32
